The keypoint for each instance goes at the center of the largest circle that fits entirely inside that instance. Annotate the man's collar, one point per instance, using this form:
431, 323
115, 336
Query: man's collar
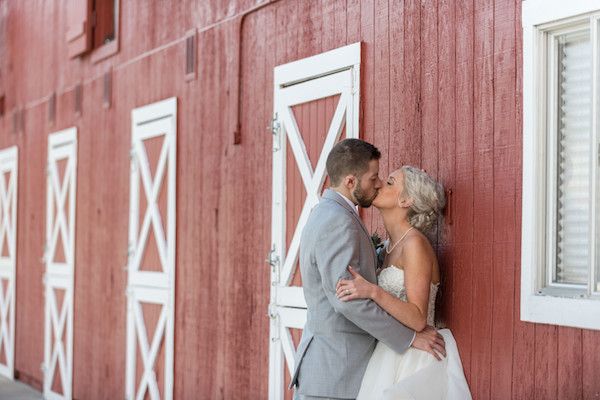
335, 195
350, 203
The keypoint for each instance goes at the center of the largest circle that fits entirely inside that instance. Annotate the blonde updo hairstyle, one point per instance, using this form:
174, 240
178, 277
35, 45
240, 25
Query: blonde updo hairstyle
428, 199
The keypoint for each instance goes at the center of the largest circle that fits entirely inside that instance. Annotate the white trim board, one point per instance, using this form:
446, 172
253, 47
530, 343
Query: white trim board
157, 120
319, 65
537, 12
60, 275
9, 163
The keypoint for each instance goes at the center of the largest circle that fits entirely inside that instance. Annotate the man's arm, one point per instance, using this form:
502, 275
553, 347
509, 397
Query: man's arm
335, 250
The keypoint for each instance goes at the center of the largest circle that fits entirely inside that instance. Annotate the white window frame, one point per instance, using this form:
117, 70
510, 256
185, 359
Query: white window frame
555, 304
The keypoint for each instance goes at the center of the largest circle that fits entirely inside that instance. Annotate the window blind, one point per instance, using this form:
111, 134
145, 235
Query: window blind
574, 146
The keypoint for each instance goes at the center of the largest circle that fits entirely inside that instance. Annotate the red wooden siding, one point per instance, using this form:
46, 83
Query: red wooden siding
440, 88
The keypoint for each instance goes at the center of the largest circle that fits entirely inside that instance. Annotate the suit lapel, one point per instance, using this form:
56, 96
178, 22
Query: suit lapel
335, 196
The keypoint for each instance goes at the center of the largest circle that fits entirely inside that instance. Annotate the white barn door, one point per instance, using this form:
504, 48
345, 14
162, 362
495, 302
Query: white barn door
316, 102
151, 254
8, 241
59, 257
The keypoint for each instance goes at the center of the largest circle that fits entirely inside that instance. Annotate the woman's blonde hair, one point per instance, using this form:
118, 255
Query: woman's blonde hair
427, 196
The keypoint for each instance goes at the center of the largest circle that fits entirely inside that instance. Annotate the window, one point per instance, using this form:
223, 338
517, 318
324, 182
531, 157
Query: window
560, 282
105, 29
104, 26
93, 25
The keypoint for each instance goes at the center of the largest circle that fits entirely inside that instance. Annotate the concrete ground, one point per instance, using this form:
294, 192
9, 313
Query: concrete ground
15, 390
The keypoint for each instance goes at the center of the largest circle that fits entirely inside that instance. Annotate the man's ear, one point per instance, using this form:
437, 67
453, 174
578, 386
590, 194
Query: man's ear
350, 181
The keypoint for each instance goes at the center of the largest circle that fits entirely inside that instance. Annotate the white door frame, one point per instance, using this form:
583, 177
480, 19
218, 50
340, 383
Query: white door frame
9, 160
62, 145
327, 74
154, 120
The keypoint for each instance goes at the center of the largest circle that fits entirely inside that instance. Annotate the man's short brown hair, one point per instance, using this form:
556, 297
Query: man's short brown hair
350, 157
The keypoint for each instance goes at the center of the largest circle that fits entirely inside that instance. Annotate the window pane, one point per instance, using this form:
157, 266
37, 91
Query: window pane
104, 31
574, 105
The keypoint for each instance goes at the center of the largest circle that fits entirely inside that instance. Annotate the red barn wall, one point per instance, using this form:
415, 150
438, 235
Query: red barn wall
441, 89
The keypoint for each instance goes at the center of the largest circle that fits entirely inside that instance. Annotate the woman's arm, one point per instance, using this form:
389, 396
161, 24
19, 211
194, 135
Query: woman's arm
417, 280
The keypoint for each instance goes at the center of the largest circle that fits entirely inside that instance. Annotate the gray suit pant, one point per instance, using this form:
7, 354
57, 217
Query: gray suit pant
298, 396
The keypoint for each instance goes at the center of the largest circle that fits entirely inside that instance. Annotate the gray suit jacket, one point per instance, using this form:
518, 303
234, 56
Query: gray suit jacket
339, 337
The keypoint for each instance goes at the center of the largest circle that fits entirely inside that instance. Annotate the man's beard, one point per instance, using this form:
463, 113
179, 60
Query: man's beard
361, 198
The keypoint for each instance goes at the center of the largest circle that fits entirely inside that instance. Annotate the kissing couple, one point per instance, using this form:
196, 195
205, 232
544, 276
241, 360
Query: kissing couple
369, 332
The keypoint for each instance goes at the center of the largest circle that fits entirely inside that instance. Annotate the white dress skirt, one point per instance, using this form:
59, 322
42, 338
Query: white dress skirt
414, 374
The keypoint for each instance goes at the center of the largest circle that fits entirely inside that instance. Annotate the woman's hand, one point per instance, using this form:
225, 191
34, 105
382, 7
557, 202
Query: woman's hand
356, 288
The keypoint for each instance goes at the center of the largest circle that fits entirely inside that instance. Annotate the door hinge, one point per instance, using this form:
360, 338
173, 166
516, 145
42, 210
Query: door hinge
272, 258
273, 316
273, 261
274, 128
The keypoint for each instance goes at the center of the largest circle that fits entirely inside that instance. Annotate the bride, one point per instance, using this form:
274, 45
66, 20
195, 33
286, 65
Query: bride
410, 204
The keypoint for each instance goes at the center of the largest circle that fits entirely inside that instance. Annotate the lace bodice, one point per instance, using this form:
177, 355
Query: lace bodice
391, 279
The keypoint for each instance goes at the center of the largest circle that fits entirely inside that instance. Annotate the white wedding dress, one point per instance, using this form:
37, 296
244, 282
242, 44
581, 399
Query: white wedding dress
415, 374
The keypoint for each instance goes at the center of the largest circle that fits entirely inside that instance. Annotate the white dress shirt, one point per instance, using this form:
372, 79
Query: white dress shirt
354, 206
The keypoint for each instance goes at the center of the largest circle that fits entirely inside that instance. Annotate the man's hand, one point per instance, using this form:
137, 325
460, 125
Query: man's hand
431, 341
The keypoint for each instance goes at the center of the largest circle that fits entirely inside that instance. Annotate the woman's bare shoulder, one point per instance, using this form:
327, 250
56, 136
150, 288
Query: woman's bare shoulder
417, 242
417, 250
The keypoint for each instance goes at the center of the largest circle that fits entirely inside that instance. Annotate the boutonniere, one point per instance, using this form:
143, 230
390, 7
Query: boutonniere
379, 245
377, 241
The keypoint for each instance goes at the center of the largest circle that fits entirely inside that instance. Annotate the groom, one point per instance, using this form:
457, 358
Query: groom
339, 337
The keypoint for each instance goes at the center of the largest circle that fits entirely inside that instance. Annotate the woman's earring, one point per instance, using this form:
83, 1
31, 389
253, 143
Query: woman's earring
403, 202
